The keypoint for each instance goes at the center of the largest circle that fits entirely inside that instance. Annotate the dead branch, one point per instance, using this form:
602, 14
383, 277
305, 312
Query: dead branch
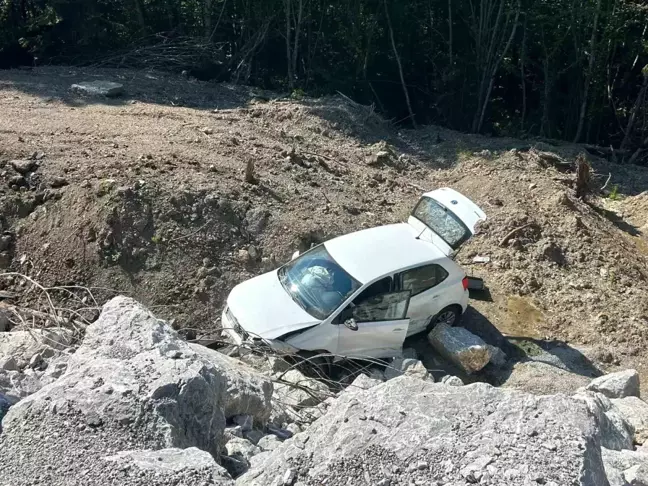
511, 234
606, 182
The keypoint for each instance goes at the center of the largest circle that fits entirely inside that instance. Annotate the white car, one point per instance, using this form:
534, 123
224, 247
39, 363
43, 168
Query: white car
362, 294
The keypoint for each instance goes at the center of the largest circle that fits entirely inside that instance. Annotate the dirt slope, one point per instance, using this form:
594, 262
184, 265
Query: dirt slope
147, 195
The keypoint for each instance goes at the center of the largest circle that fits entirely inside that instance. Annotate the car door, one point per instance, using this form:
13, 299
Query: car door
426, 284
380, 326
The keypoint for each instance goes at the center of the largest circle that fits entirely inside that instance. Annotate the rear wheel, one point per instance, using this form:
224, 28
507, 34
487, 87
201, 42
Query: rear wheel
449, 316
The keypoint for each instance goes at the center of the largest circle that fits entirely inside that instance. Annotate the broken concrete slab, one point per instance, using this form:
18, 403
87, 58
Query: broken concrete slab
99, 88
466, 350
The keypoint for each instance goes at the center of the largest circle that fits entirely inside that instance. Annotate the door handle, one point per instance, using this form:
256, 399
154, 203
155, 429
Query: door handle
398, 329
436, 296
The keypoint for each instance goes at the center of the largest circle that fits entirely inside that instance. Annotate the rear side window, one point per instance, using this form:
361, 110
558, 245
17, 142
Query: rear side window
421, 279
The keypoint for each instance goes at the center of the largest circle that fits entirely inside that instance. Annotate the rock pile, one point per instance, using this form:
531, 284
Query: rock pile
136, 405
133, 385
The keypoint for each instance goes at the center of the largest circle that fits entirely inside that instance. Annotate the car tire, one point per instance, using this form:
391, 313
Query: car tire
450, 316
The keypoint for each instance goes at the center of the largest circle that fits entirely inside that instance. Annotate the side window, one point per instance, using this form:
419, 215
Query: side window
385, 307
421, 279
382, 286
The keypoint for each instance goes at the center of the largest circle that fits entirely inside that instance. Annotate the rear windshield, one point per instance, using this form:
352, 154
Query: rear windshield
442, 221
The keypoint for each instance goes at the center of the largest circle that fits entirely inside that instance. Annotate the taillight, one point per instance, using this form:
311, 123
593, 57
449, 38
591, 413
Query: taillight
464, 282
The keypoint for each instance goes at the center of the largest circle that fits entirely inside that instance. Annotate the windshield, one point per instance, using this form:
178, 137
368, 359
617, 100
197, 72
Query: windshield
442, 221
317, 283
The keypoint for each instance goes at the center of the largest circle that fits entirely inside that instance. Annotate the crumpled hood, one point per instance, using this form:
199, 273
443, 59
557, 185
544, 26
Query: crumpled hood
264, 309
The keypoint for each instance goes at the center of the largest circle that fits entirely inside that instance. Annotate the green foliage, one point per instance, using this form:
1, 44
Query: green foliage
501, 67
614, 193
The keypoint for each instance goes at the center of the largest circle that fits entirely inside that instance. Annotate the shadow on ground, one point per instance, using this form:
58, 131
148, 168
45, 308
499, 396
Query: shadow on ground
518, 349
53, 83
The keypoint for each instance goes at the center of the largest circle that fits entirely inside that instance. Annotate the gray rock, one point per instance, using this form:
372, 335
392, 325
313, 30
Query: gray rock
460, 346
498, 357
231, 432
635, 412
99, 88
5, 403
174, 465
36, 361
637, 475
244, 421
8, 363
293, 389
22, 345
269, 443
23, 166
452, 380
542, 379
18, 384
125, 386
617, 463
256, 220
242, 448
407, 366
362, 382
616, 433
5, 322
253, 435
404, 422
239, 455
617, 385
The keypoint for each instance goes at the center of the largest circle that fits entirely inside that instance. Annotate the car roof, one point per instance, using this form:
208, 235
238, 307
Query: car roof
372, 253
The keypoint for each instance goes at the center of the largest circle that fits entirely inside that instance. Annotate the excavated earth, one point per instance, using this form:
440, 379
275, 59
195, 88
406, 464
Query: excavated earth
147, 195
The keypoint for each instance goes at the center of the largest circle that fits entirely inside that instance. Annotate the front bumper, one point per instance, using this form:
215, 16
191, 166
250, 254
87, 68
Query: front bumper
231, 328
233, 331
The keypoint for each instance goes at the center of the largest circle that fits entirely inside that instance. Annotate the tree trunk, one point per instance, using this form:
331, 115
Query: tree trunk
493, 73
139, 11
450, 57
588, 76
522, 77
207, 24
298, 22
400, 66
291, 81
635, 109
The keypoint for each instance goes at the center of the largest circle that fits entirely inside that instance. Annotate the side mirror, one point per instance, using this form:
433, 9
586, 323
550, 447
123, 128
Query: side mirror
351, 324
294, 255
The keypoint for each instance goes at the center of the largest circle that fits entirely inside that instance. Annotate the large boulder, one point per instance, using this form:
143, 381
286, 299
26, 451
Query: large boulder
635, 411
460, 346
411, 431
617, 385
133, 384
616, 432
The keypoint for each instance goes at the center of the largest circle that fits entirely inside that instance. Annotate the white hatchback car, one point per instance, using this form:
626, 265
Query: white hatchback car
362, 294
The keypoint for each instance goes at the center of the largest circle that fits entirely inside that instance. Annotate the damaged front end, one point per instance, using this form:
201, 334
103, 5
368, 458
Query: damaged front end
234, 332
